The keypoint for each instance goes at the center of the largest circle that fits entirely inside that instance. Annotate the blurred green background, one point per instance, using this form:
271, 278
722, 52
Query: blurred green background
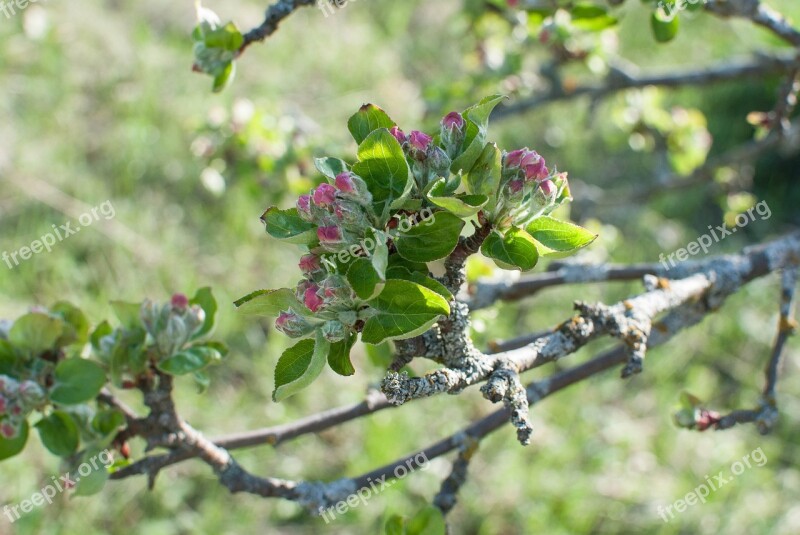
98, 103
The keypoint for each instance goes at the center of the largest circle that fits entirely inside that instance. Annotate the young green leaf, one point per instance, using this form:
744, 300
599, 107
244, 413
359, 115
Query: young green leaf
270, 303
484, 177
299, 366
76, 325
190, 360
205, 300
431, 240
462, 205
36, 332
558, 238
77, 380
59, 433
330, 167
339, 356
514, 250
127, 314
383, 166
401, 273
286, 225
366, 282
403, 309
366, 120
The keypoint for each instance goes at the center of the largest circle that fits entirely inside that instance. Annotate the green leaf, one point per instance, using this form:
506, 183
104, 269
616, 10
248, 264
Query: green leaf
477, 129
77, 380
484, 177
431, 240
286, 225
127, 314
107, 422
330, 167
591, 17
76, 328
8, 357
429, 521
395, 525
36, 332
205, 300
103, 329
461, 205
270, 303
383, 167
403, 309
127, 354
665, 28
480, 112
224, 78
95, 481
399, 272
366, 282
366, 120
190, 360
339, 356
514, 250
59, 433
299, 366
558, 237
227, 37
11, 447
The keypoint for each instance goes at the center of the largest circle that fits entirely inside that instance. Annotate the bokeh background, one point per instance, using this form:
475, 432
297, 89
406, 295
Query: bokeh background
98, 103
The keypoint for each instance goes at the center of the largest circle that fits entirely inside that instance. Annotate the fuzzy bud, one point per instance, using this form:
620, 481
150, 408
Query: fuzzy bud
334, 331
8, 430
31, 394
352, 187
329, 235
548, 188
453, 132
531, 163
8, 386
420, 140
310, 265
292, 324
304, 208
324, 195
179, 302
398, 134
311, 298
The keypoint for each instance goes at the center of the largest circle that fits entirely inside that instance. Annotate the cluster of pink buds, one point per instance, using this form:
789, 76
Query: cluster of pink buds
17, 400
328, 295
528, 188
172, 324
341, 212
428, 160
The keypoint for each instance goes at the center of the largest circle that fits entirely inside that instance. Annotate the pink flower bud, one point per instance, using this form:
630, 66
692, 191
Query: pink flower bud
515, 186
453, 121
329, 234
420, 140
514, 158
3, 405
529, 161
313, 301
345, 183
179, 301
309, 264
8, 430
324, 195
398, 134
292, 324
548, 188
304, 207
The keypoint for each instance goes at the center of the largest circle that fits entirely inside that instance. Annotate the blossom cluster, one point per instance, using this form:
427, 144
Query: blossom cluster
17, 400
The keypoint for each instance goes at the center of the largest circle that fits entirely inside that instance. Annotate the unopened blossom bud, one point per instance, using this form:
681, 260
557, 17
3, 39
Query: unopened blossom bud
304, 208
324, 195
438, 162
179, 302
3, 405
398, 134
453, 132
420, 140
310, 264
329, 235
292, 324
334, 331
705, 419
31, 394
304, 285
531, 163
350, 215
548, 188
7, 430
354, 188
311, 298
8, 386
336, 289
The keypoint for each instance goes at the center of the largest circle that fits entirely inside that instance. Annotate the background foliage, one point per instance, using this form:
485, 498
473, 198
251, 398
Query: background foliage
99, 104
